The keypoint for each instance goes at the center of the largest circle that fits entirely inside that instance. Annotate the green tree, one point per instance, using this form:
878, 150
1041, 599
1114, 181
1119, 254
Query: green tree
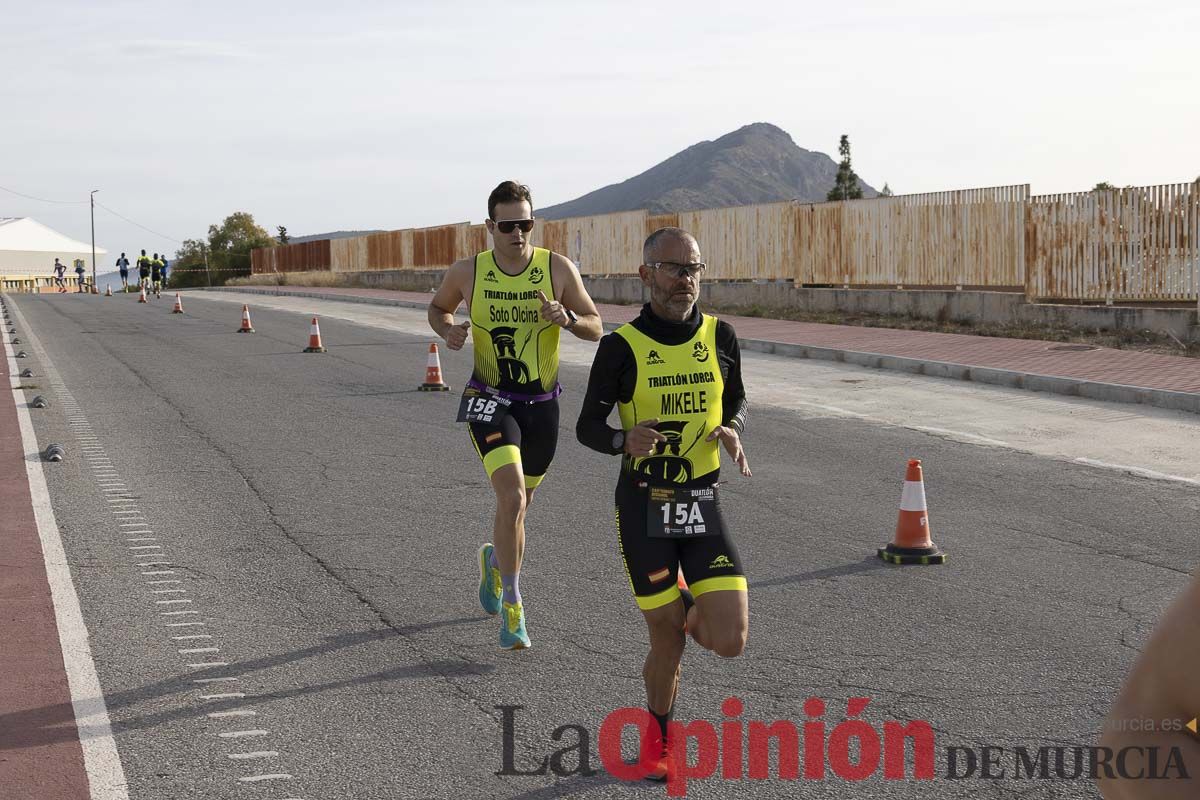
886, 191
1104, 186
225, 255
283, 234
845, 186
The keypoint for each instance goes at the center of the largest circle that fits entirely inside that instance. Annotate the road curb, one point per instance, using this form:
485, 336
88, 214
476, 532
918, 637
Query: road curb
1013, 379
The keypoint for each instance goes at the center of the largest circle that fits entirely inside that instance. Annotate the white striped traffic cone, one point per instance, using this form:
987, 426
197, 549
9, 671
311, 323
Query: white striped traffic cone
178, 309
142, 296
245, 321
314, 338
433, 372
912, 544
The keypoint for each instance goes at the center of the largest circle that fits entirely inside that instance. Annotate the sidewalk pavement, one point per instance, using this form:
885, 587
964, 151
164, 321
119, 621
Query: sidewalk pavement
1120, 376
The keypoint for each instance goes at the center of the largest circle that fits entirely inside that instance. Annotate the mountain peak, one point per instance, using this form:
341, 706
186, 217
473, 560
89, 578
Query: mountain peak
757, 163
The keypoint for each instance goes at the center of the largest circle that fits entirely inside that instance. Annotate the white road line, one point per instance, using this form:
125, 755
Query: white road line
1142, 473
177, 613
281, 776
160, 572
193, 636
170, 602
248, 756
142, 538
213, 680
134, 525
106, 776
208, 664
224, 696
168, 591
145, 546
243, 734
187, 651
185, 624
237, 712
153, 583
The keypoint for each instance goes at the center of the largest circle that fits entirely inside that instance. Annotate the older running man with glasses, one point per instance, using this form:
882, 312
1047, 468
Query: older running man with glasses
674, 375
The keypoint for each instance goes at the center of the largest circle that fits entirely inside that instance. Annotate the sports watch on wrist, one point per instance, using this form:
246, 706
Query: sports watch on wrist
573, 317
618, 440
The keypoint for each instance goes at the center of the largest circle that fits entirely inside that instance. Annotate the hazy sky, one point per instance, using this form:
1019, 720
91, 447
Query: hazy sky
350, 115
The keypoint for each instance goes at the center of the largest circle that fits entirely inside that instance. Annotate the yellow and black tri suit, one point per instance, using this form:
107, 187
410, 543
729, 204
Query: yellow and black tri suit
516, 357
687, 376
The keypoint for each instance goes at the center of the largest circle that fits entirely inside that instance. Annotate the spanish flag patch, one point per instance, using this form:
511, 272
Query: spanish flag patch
493, 437
660, 575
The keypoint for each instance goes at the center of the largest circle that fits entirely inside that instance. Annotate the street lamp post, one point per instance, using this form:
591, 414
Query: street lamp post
92, 196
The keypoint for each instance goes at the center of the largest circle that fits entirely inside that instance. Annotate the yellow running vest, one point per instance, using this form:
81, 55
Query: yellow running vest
680, 386
515, 349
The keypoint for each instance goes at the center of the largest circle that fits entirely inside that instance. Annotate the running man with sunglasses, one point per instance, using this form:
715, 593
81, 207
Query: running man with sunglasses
519, 298
675, 378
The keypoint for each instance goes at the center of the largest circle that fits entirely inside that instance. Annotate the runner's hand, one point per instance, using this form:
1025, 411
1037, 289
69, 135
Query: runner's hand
553, 311
641, 438
733, 444
456, 335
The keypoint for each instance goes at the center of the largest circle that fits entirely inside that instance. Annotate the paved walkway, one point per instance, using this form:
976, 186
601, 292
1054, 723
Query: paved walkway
1102, 373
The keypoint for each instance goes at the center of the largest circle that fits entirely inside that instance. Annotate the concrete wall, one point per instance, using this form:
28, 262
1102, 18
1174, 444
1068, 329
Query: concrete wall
966, 306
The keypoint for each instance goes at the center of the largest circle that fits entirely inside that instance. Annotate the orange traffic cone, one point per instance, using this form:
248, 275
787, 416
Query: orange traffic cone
912, 544
245, 321
142, 296
107, 290
314, 339
178, 309
433, 373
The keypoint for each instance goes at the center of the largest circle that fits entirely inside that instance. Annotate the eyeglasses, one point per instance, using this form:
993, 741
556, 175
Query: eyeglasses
676, 270
526, 225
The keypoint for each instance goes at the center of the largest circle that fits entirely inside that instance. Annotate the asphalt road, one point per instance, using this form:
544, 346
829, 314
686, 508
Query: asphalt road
322, 517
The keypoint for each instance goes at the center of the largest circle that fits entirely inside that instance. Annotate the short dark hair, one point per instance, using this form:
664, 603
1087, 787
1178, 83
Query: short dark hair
508, 192
662, 233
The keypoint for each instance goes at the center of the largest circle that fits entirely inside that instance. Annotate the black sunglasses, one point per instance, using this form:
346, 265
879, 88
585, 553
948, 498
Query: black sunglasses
526, 225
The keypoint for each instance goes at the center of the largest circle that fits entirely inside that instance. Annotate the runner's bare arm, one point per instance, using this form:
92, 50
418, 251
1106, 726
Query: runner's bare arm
1162, 686
456, 286
571, 293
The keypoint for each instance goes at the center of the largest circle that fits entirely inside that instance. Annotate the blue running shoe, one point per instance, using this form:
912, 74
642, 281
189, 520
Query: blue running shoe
512, 632
490, 590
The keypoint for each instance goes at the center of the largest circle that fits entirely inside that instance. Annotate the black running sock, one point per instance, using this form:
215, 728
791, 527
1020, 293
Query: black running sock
662, 720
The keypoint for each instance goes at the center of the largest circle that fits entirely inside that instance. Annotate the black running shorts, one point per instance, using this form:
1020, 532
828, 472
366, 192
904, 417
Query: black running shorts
528, 436
709, 563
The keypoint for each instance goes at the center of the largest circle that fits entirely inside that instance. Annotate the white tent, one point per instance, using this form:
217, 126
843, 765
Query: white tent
28, 247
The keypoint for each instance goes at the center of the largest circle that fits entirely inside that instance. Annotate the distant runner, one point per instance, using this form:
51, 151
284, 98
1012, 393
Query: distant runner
60, 270
123, 267
143, 265
156, 275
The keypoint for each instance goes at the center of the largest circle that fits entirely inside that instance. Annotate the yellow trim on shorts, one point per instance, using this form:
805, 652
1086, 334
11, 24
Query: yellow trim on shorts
649, 602
736, 583
532, 481
500, 457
